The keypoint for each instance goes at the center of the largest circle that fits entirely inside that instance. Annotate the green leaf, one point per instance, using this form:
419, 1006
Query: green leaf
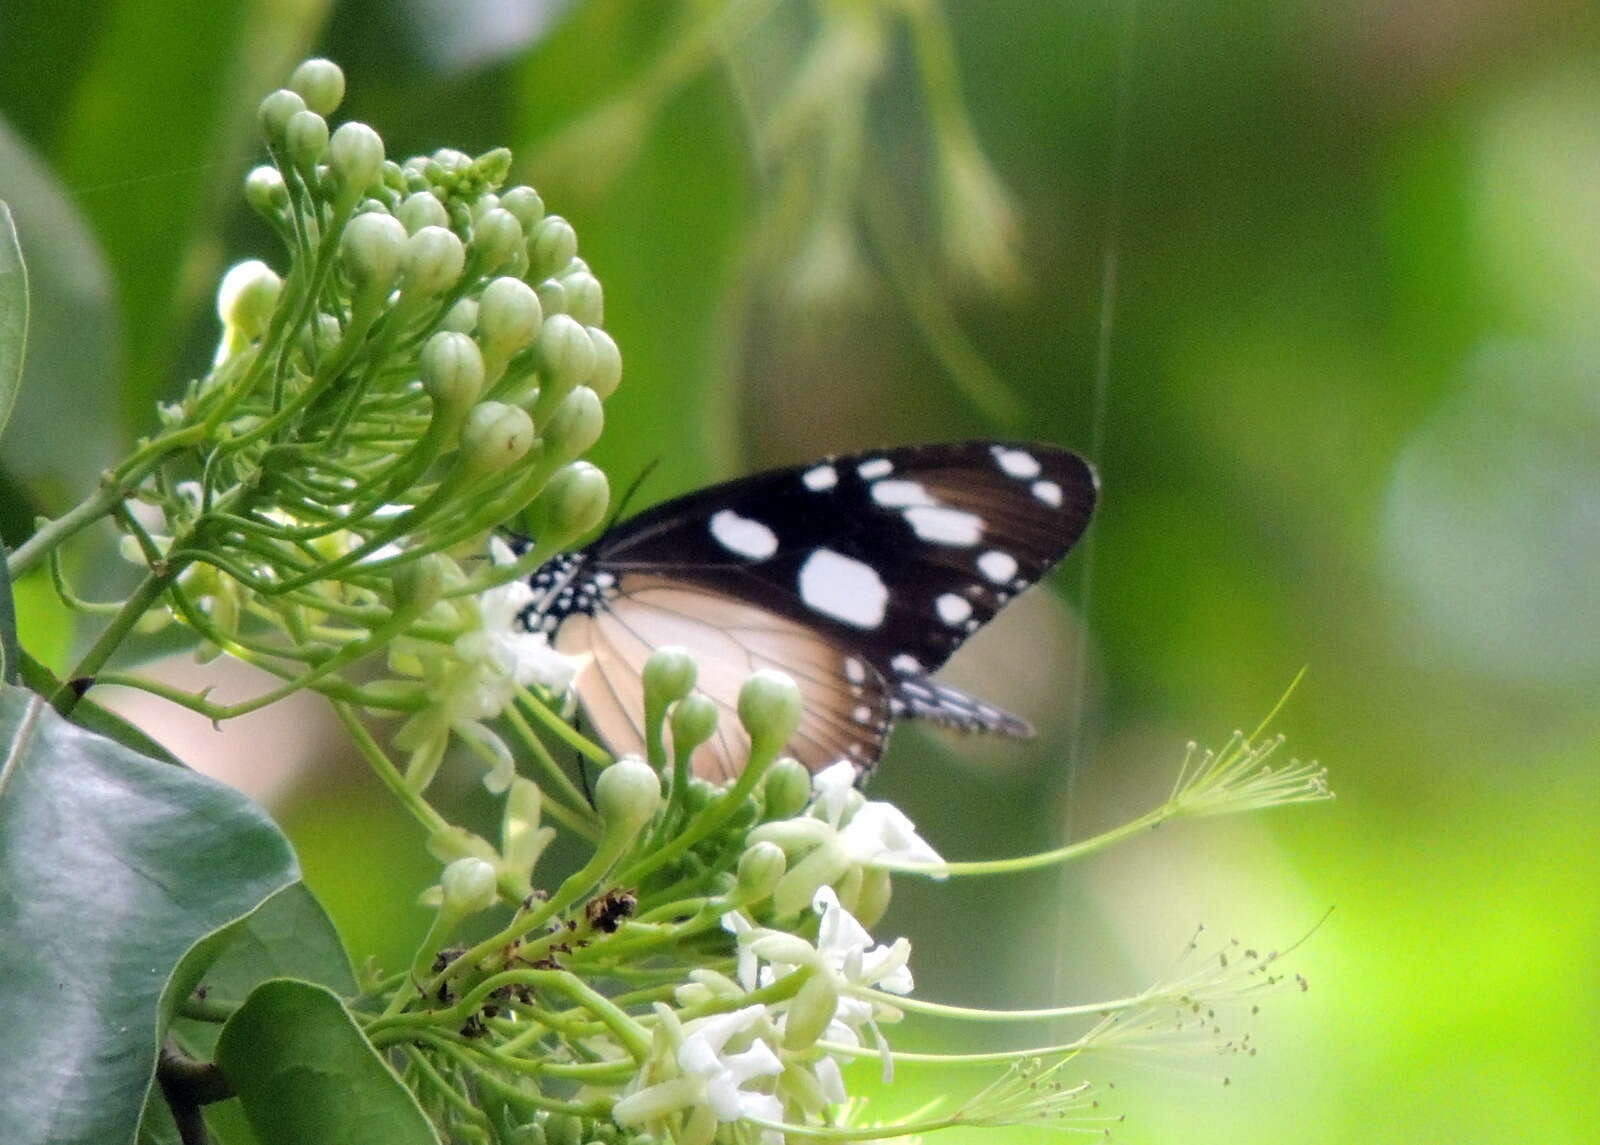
305, 1072
289, 936
13, 314
70, 374
112, 867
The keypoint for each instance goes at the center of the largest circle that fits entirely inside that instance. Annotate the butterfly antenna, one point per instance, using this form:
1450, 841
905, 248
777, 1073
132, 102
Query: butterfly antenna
633, 487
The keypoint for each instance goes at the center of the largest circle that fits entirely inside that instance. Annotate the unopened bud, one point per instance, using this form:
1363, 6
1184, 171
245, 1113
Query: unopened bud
469, 886
320, 83
372, 248
434, 258
265, 190
305, 138
786, 789
627, 794
462, 317
247, 296
495, 437
760, 868
607, 372
452, 370
496, 238
574, 501
565, 353
585, 298
551, 244
694, 720
275, 112
873, 899
420, 583
422, 209
810, 1012
769, 708
355, 156
508, 316
525, 204
552, 296
669, 675
492, 167
577, 423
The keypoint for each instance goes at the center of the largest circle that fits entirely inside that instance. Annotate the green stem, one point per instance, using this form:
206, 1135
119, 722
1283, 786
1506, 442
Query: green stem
53, 533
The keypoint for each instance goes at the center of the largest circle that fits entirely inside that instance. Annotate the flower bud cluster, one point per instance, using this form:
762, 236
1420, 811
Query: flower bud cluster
424, 366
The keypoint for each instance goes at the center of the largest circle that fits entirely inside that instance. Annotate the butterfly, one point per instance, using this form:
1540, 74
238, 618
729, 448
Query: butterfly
857, 575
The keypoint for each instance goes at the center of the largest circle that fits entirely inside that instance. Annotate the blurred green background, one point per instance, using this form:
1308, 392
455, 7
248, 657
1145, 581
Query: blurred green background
1349, 419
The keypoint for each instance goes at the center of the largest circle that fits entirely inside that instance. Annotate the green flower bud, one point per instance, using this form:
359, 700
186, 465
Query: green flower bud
669, 675
372, 248
469, 886
701, 794
420, 583
265, 190
873, 900
482, 205
551, 244
394, 177
694, 720
355, 156
497, 238
495, 437
799, 885
607, 372
422, 209
434, 259
786, 789
492, 167
446, 166
760, 868
530, 1134
627, 794
246, 298
563, 1129
320, 83
508, 315
585, 298
576, 424
305, 138
810, 1012
462, 317
552, 296
564, 353
574, 501
275, 112
769, 708
525, 203
452, 371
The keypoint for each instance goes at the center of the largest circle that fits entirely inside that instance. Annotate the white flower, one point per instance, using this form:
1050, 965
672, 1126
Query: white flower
712, 1082
476, 678
873, 833
845, 948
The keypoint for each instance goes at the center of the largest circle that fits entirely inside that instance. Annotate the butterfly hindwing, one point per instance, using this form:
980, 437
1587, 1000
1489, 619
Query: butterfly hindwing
858, 575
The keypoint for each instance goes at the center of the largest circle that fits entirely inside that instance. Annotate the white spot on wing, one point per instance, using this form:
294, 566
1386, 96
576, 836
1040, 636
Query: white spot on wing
854, 670
843, 588
899, 493
907, 663
862, 714
944, 526
952, 609
820, 478
997, 566
743, 536
877, 467
1016, 463
1048, 492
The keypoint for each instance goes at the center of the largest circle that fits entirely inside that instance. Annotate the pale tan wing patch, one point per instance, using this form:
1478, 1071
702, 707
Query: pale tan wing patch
846, 705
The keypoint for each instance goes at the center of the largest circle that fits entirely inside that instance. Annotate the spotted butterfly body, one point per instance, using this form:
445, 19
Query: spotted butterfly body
857, 575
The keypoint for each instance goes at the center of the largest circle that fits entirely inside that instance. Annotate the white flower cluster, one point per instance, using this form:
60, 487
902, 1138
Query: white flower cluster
774, 1063
474, 678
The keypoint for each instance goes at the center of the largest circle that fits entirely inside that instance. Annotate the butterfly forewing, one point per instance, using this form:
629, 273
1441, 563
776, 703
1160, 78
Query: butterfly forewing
857, 575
